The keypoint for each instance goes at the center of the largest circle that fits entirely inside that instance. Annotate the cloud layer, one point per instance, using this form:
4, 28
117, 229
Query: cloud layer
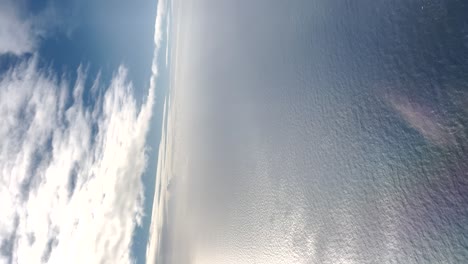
157, 211
72, 154
70, 167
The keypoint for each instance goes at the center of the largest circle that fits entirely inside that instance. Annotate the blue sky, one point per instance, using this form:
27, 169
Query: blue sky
82, 90
104, 35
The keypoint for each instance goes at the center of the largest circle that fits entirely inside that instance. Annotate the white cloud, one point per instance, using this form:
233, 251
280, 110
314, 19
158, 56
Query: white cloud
152, 246
70, 181
21, 31
161, 194
158, 35
17, 35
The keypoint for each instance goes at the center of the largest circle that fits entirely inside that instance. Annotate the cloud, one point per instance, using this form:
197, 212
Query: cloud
17, 35
153, 250
159, 197
158, 35
21, 30
70, 181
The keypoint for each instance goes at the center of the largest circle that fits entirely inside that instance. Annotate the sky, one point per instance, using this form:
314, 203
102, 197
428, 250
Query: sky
82, 91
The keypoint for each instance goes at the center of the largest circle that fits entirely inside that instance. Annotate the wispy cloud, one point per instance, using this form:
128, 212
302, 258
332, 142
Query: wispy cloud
21, 31
17, 36
70, 181
158, 36
159, 197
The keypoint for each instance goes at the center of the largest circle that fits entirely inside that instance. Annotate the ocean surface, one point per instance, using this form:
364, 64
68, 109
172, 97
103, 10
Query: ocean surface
317, 131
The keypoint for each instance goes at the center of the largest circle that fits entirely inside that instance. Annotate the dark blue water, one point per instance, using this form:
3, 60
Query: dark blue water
320, 132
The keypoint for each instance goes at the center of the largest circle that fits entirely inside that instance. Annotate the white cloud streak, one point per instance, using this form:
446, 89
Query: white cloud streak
160, 196
158, 36
157, 213
70, 181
